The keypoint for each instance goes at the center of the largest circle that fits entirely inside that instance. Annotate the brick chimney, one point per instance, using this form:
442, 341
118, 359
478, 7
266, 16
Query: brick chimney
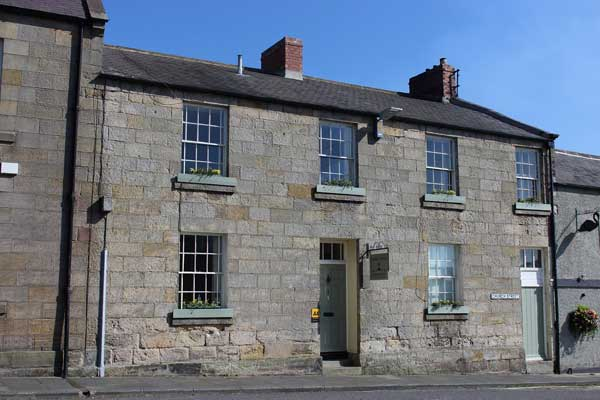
283, 58
437, 83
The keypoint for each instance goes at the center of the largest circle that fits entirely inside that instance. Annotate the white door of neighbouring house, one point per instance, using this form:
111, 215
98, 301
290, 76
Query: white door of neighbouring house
532, 303
333, 299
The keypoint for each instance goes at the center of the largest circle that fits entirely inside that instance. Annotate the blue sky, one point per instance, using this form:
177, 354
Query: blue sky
536, 61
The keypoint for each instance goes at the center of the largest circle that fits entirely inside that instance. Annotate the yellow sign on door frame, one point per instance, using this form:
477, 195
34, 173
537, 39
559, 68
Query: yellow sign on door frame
314, 314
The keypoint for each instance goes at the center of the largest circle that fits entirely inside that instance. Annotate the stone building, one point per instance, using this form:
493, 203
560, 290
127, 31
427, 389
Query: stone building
228, 202
577, 200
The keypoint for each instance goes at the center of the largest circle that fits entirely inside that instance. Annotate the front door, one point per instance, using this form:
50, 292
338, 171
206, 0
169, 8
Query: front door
333, 308
532, 303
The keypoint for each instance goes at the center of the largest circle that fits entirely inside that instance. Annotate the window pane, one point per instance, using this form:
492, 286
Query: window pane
325, 132
192, 132
192, 114
215, 135
215, 117
203, 133
326, 147
442, 272
203, 116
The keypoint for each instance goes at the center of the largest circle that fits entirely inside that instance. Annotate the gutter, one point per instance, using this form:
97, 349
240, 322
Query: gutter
552, 234
69, 203
184, 88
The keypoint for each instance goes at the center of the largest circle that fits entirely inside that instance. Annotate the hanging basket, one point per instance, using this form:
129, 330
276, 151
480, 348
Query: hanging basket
584, 320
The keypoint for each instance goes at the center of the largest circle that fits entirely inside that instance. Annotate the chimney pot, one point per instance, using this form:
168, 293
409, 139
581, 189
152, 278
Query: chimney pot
283, 58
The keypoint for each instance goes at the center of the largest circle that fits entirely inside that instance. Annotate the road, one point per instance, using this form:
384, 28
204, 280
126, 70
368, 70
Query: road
541, 393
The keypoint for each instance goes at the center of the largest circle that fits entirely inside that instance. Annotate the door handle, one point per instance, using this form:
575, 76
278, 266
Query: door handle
328, 314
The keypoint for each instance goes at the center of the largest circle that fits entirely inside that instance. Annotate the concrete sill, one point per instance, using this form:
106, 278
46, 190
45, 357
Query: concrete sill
340, 193
447, 313
206, 183
207, 316
522, 208
444, 201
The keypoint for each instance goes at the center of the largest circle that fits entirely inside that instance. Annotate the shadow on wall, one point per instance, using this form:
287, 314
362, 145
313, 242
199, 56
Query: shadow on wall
565, 243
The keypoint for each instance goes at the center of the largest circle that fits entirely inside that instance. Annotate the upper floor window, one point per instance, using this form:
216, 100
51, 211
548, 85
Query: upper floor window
201, 271
441, 165
336, 152
204, 141
442, 273
528, 174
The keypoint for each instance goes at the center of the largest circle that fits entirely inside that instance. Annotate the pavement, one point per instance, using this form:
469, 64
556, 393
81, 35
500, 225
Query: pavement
115, 387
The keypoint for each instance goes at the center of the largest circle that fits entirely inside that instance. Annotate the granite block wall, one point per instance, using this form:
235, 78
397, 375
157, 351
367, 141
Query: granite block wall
273, 227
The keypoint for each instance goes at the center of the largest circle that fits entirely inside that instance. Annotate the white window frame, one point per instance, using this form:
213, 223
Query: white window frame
454, 278
352, 158
219, 275
536, 180
223, 146
536, 254
452, 171
332, 259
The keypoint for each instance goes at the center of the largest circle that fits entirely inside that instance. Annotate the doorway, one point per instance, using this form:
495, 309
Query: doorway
333, 301
532, 304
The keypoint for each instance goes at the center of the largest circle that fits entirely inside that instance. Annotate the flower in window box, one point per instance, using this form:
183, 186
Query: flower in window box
441, 303
527, 200
203, 171
201, 304
340, 182
584, 320
449, 192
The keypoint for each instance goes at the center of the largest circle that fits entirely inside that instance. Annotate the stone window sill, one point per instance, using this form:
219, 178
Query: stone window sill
7, 137
206, 183
540, 209
340, 193
444, 201
209, 316
447, 313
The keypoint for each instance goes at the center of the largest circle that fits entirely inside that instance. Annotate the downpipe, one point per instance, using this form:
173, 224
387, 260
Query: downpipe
552, 234
102, 311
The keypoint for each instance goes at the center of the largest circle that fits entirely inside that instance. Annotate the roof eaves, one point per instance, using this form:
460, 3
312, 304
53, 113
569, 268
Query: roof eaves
41, 13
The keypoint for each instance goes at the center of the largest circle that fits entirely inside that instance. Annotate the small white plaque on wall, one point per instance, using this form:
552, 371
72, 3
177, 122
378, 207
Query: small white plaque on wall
505, 296
9, 168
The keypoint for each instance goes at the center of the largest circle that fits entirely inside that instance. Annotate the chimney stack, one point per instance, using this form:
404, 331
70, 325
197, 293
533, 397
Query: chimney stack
284, 58
438, 83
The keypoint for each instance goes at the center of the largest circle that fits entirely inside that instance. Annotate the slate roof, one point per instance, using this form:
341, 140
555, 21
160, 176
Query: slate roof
576, 169
200, 75
66, 8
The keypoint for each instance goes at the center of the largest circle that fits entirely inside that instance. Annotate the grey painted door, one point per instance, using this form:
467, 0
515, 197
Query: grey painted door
533, 322
333, 308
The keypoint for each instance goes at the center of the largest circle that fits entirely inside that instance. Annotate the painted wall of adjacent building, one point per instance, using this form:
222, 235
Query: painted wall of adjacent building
578, 256
273, 228
37, 98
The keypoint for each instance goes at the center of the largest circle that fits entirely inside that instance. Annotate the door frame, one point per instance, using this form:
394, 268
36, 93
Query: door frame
544, 309
352, 315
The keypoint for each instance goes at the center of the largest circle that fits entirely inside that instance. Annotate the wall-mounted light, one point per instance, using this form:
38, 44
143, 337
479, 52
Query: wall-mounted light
589, 225
384, 116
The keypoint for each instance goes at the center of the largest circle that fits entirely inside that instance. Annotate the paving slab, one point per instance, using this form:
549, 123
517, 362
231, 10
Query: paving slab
32, 387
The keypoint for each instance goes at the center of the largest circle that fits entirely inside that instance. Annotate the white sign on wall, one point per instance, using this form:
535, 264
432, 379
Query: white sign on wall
505, 296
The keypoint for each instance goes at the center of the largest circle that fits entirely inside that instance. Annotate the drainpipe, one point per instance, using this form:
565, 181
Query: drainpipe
102, 311
69, 204
552, 232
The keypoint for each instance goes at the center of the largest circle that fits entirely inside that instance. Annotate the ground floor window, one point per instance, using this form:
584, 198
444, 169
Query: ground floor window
201, 271
442, 273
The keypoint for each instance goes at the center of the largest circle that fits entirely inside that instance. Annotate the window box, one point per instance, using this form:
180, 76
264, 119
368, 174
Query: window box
340, 193
525, 208
206, 183
202, 313
444, 201
447, 309
345, 190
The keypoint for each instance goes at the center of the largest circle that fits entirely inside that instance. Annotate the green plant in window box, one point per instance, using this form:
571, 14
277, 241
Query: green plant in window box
441, 303
340, 182
201, 304
205, 171
449, 192
528, 200
584, 320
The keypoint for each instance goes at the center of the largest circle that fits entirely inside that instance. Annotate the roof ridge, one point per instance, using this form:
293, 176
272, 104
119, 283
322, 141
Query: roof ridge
159, 54
577, 154
502, 117
253, 69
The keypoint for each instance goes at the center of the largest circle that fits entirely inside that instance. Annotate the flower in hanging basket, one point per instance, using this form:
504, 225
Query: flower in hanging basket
584, 320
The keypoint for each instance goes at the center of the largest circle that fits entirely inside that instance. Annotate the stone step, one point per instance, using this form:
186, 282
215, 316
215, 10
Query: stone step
540, 367
336, 368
